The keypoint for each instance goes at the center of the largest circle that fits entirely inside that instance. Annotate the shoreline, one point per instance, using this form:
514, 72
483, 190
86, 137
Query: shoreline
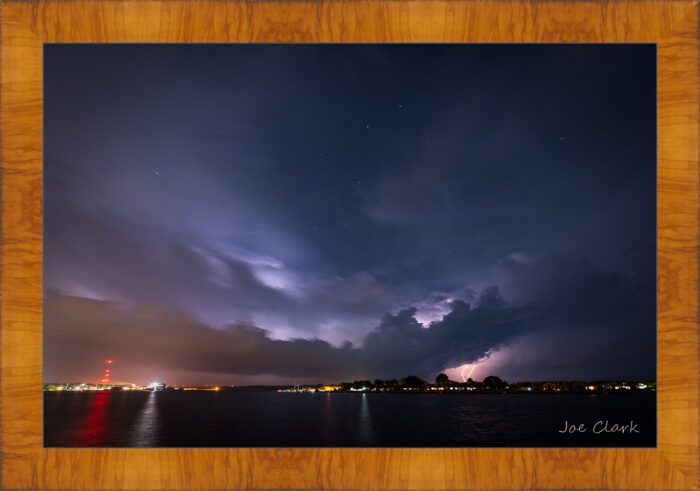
433, 393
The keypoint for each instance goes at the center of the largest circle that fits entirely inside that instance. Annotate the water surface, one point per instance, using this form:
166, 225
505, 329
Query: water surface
272, 419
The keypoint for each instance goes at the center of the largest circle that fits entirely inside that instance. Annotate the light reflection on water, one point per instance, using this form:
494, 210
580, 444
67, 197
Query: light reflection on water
95, 423
146, 430
365, 430
328, 426
271, 419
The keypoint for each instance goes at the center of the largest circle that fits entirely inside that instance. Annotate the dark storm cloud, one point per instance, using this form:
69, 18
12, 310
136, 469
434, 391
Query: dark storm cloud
102, 253
586, 317
360, 193
154, 337
401, 345
580, 311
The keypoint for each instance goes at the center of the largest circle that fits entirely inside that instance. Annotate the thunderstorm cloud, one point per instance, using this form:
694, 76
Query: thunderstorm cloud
273, 213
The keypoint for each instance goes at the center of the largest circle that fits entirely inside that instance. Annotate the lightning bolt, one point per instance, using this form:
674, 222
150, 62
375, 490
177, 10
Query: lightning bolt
473, 367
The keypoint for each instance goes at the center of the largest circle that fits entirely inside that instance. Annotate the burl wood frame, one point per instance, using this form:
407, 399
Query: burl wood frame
26, 26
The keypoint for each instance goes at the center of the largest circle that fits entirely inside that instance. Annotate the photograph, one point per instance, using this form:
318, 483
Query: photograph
349, 245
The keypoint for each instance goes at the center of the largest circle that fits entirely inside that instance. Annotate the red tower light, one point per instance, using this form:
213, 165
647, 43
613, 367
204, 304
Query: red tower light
106, 378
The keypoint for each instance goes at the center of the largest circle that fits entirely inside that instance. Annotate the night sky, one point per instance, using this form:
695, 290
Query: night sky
244, 214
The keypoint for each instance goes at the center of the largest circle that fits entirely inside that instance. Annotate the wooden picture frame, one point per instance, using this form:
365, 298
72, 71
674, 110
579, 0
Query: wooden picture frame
26, 26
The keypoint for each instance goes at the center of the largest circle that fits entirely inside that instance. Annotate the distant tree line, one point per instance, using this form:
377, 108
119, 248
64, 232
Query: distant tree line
493, 383
413, 382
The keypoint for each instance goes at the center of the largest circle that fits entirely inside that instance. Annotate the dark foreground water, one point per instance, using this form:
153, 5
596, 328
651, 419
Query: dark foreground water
272, 419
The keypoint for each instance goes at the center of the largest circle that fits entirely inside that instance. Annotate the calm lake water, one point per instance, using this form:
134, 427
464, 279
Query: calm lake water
272, 419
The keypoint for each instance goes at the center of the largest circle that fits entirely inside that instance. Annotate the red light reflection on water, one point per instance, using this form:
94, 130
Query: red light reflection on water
94, 423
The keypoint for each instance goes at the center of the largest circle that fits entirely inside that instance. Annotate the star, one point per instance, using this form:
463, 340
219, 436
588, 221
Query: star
157, 173
367, 125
